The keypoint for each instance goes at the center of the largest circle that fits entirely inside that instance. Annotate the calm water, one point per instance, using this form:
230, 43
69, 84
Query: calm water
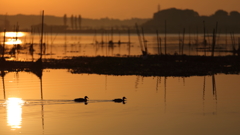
59, 46
155, 105
196, 105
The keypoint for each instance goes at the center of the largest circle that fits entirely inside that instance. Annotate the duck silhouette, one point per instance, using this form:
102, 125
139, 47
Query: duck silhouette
81, 99
120, 100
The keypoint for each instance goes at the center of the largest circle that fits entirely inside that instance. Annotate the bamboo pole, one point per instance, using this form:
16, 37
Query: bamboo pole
4, 40
112, 34
238, 44
183, 40
41, 40
233, 41
144, 43
197, 40
213, 42
129, 39
160, 45
129, 42
158, 42
189, 41
165, 38
139, 37
179, 43
216, 31
204, 38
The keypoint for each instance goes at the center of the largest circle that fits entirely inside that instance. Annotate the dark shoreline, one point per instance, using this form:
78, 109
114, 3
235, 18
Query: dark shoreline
153, 65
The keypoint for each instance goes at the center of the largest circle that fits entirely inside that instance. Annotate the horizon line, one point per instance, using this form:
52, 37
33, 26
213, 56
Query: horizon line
113, 17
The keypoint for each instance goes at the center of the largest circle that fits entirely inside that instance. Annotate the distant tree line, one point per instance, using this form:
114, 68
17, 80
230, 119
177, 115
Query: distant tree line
170, 20
75, 21
72, 22
176, 20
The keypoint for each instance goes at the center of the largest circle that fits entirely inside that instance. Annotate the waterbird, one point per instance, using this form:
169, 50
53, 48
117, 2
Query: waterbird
81, 99
119, 100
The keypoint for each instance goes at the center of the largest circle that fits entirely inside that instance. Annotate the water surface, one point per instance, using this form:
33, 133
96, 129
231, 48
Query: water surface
155, 105
68, 45
169, 105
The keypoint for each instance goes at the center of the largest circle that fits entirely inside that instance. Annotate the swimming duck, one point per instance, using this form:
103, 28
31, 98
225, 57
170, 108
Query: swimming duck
81, 99
118, 100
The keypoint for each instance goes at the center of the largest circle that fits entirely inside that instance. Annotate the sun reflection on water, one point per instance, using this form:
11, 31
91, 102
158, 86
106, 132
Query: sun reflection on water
13, 42
13, 37
15, 34
14, 112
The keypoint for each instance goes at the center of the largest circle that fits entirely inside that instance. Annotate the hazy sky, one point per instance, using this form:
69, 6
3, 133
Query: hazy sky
118, 9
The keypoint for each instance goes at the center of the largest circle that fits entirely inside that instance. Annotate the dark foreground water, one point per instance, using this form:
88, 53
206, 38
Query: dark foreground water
196, 105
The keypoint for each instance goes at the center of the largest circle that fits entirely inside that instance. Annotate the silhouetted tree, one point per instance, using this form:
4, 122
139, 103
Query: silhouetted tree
65, 20
79, 21
234, 14
221, 13
72, 21
75, 22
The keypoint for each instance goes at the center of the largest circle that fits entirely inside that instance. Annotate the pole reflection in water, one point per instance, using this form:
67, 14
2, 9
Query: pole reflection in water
14, 112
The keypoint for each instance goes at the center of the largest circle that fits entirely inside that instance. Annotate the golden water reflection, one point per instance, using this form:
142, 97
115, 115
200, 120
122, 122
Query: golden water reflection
13, 42
15, 34
14, 112
13, 37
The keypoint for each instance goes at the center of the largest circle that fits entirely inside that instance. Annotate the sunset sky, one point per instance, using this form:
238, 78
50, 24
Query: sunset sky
117, 9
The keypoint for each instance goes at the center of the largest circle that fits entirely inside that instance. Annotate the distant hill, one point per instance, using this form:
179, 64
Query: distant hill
26, 21
176, 20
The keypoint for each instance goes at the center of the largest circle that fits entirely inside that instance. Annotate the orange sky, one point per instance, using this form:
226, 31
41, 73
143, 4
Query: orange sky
118, 9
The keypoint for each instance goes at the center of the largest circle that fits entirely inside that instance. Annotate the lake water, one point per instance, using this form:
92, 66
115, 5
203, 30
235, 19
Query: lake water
43, 105
60, 46
155, 105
